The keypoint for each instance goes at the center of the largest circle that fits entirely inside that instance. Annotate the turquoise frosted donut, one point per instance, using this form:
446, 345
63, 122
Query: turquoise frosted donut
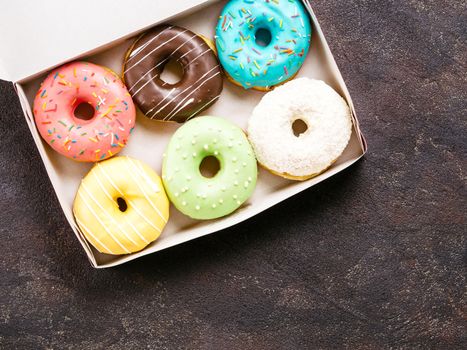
262, 43
189, 190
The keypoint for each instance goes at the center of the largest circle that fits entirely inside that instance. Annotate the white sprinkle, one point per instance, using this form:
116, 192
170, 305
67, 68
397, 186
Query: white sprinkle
197, 207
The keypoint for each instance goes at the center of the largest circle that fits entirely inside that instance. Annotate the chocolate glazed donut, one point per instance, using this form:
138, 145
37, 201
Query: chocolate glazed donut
201, 83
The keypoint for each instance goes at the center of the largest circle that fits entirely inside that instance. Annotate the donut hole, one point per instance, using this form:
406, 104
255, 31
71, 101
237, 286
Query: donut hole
84, 111
122, 206
263, 37
172, 72
209, 167
299, 126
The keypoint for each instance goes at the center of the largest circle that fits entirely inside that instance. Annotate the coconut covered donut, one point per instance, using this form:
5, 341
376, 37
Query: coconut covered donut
327, 123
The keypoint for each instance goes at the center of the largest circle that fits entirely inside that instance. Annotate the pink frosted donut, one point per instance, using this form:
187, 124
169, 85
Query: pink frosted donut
84, 112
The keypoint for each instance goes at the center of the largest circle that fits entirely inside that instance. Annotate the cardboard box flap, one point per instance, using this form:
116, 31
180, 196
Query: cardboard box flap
29, 28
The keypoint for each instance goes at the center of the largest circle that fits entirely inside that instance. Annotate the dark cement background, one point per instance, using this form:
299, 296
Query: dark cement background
372, 258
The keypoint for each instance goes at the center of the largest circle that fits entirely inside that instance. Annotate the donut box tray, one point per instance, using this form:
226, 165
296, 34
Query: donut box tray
47, 35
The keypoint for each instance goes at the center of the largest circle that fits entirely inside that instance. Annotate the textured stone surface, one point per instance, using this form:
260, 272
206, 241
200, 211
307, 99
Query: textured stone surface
372, 258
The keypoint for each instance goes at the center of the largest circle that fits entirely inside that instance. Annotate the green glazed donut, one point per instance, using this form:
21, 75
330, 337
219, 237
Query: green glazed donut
202, 197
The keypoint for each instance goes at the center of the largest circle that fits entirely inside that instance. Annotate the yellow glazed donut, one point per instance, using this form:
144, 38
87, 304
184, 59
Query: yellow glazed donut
121, 206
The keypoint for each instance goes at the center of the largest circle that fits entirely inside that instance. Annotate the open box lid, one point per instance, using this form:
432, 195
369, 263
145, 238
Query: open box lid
38, 35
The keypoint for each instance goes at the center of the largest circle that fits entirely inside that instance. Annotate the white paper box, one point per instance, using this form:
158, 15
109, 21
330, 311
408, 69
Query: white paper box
50, 33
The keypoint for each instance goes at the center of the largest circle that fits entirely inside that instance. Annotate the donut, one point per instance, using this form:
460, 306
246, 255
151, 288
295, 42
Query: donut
327, 127
262, 43
191, 192
199, 87
121, 206
108, 112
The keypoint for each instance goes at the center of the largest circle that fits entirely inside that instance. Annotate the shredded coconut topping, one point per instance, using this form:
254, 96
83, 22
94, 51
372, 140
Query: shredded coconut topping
326, 115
